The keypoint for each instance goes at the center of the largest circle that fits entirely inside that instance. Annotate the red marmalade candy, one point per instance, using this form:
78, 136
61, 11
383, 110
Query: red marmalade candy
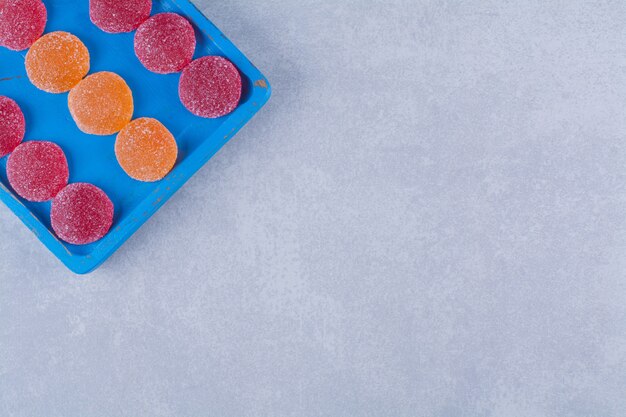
81, 214
12, 125
21, 23
210, 87
37, 171
119, 16
165, 43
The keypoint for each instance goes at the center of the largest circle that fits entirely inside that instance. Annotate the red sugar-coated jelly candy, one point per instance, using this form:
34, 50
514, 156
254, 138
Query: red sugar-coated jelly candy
119, 16
165, 43
12, 125
210, 87
81, 214
21, 23
37, 171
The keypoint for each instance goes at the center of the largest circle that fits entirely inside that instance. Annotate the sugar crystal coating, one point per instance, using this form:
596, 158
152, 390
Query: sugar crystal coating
146, 150
210, 87
81, 214
165, 43
37, 170
57, 62
22, 22
12, 125
119, 16
101, 104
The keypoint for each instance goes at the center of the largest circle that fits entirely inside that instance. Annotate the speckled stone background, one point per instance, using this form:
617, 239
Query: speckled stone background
428, 219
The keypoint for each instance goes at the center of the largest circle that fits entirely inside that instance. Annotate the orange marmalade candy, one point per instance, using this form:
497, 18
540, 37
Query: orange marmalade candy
101, 104
57, 62
146, 150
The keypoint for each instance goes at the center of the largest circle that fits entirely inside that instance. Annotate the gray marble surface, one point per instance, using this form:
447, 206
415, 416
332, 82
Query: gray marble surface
428, 219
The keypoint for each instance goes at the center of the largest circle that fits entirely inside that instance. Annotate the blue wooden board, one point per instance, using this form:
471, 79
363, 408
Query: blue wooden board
92, 158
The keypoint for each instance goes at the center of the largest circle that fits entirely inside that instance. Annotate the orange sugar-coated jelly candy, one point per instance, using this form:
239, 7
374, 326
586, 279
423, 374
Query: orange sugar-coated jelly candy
146, 150
57, 62
101, 104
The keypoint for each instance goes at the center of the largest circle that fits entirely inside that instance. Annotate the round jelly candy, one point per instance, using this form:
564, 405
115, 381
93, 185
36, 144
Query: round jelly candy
12, 125
21, 23
37, 171
146, 150
119, 16
81, 214
101, 104
57, 62
210, 87
165, 43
